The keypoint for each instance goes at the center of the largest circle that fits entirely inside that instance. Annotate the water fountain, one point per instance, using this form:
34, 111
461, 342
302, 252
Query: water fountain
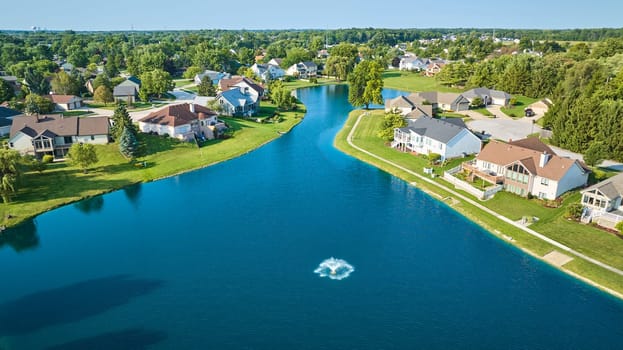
335, 269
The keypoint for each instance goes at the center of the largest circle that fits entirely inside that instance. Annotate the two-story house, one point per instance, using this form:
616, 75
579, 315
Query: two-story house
54, 134
182, 121
303, 70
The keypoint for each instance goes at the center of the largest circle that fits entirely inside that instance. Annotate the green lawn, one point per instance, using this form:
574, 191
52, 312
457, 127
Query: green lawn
517, 111
63, 183
136, 106
183, 82
586, 239
482, 111
76, 113
411, 81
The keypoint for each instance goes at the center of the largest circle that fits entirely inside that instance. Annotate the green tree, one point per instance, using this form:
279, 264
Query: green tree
6, 91
36, 82
595, 153
9, 172
102, 79
128, 143
282, 96
103, 95
65, 84
206, 88
477, 102
82, 155
391, 122
191, 71
121, 120
619, 226
35, 104
296, 55
574, 211
156, 82
366, 84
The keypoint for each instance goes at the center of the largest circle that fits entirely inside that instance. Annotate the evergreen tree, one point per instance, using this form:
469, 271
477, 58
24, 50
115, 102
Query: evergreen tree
128, 144
36, 81
121, 119
206, 88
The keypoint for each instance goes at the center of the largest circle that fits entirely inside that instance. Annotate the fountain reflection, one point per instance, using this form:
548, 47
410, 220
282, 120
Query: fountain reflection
335, 269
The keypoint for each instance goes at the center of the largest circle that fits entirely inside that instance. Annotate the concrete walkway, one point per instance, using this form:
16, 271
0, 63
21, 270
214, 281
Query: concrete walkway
557, 244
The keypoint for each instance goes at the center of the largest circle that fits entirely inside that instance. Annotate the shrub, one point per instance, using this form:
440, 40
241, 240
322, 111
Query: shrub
619, 226
47, 159
574, 211
513, 101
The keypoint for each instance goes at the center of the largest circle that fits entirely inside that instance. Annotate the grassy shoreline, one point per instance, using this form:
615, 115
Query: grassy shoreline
365, 137
62, 183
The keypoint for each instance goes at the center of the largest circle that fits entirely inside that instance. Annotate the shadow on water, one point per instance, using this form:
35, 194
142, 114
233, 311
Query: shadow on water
21, 237
133, 193
71, 303
127, 339
90, 205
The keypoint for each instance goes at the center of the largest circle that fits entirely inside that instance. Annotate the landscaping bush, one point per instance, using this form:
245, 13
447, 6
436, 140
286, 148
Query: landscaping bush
574, 211
619, 226
47, 159
513, 101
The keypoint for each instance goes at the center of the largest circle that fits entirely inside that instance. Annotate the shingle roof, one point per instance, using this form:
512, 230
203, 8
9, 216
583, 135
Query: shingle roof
480, 92
611, 188
61, 99
501, 153
124, 90
534, 144
436, 129
176, 115
235, 97
59, 125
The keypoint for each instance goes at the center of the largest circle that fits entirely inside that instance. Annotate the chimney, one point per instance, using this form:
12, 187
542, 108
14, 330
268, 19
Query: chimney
543, 159
192, 107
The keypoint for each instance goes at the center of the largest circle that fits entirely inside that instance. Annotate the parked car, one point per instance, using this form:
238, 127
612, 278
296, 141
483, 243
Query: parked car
529, 112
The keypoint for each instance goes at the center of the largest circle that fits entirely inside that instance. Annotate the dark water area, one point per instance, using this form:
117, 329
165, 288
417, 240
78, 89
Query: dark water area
224, 258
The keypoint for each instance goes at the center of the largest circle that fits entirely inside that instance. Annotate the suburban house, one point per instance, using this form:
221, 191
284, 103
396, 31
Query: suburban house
267, 72
303, 70
127, 91
408, 107
240, 81
6, 119
488, 96
239, 101
433, 68
602, 201
446, 101
449, 138
54, 134
528, 166
65, 102
275, 62
183, 121
413, 63
214, 76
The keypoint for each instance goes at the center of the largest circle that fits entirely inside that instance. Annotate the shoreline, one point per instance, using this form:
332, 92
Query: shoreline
346, 135
11, 221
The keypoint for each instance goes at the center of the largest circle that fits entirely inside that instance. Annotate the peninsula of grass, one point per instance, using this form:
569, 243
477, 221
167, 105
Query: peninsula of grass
63, 183
586, 239
517, 110
413, 82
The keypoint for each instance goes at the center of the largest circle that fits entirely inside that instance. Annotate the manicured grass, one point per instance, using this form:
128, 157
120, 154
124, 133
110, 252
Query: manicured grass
451, 115
136, 107
297, 84
517, 111
76, 113
183, 82
63, 183
411, 81
482, 111
586, 239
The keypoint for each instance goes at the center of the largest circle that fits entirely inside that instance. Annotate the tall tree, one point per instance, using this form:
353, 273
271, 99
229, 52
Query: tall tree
65, 84
103, 95
366, 84
121, 120
35, 104
6, 91
82, 155
156, 82
128, 144
36, 81
206, 88
9, 172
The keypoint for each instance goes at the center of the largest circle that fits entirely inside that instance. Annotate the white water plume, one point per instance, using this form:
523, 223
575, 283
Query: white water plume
335, 269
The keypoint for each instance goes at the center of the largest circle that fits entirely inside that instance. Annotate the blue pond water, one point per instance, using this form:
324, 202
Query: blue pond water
224, 258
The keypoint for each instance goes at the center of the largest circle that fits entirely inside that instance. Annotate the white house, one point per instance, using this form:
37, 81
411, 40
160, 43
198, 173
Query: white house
39, 135
446, 137
303, 70
65, 102
239, 101
602, 202
214, 76
528, 166
488, 96
267, 72
182, 121
413, 63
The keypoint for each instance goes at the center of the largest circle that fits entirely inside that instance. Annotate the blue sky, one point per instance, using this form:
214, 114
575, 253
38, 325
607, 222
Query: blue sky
325, 14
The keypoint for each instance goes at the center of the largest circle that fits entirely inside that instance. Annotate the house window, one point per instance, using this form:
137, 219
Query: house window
92, 137
11, 144
541, 195
67, 139
544, 181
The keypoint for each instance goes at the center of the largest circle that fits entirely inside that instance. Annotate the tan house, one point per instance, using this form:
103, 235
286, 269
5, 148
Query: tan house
183, 121
528, 166
65, 102
408, 106
39, 135
602, 201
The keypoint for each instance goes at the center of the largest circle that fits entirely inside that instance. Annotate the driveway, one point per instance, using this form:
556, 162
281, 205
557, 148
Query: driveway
182, 96
504, 129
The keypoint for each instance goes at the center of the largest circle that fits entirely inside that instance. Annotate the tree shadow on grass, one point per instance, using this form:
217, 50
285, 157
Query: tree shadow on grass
391, 74
127, 339
21, 237
71, 303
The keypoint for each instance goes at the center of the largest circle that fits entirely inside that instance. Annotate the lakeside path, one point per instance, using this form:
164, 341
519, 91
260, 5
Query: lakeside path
349, 140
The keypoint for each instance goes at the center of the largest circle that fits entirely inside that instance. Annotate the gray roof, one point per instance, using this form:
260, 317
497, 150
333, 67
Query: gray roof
481, 92
611, 188
62, 126
437, 129
124, 90
237, 98
309, 64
